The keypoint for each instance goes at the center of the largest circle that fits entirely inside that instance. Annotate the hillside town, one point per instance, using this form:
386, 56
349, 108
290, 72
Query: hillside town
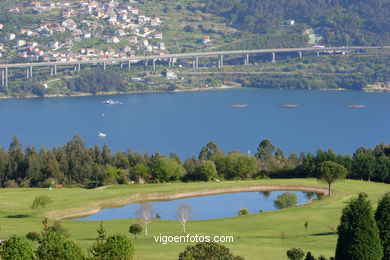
81, 30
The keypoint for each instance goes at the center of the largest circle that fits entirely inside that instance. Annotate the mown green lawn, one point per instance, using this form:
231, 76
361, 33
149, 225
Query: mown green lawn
257, 236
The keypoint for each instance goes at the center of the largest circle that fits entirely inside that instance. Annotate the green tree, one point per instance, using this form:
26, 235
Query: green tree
205, 171
208, 251
118, 247
140, 171
97, 249
53, 245
309, 256
167, 169
382, 217
135, 229
16, 167
33, 236
330, 172
265, 150
71, 251
34, 168
383, 169
306, 226
3, 166
286, 199
279, 154
60, 229
41, 201
16, 248
295, 254
364, 164
358, 235
208, 150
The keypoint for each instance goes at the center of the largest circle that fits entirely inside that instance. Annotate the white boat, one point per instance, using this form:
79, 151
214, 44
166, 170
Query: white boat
112, 102
102, 135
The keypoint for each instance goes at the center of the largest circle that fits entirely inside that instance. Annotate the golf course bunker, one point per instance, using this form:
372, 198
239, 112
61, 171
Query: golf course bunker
206, 206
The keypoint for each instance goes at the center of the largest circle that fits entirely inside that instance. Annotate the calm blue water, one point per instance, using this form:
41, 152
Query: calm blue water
184, 122
205, 207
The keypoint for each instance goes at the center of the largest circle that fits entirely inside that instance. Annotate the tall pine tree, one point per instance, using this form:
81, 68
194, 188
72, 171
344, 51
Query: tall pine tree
358, 233
382, 217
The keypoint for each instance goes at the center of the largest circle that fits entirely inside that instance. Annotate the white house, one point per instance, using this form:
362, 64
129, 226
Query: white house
290, 22
113, 40
87, 35
171, 74
145, 42
205, 39
134, 11
158, 35
20, 43
10, 36
161, 46
54, 45
69, 24
133, 39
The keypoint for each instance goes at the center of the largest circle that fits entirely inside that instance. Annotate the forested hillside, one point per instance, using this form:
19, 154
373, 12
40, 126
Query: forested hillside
343, 22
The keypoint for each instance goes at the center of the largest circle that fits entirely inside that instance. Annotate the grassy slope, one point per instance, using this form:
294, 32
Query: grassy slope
254, 234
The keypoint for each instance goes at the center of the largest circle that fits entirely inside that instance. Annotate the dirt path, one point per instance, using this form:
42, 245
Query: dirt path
140, 197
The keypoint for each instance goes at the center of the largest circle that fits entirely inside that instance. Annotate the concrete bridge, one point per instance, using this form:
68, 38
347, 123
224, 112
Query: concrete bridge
174, 57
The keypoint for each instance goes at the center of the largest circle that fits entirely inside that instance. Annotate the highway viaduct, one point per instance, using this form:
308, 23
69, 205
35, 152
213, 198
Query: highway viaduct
173, 57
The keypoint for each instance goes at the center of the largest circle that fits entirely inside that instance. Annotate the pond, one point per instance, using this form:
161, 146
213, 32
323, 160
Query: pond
204, 207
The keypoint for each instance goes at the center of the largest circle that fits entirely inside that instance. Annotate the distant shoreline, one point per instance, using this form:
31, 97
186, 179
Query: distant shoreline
83, 94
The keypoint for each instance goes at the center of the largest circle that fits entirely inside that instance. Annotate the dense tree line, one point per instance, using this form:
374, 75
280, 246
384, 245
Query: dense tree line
301, 81
364, 164
344, 22
74, 163
97, 80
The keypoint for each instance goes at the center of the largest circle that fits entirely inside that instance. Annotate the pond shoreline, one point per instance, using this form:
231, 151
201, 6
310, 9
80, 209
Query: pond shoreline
140, 197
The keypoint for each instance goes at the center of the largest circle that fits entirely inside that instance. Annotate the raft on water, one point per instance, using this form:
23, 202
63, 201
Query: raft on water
290, 105
238, 105
355, 106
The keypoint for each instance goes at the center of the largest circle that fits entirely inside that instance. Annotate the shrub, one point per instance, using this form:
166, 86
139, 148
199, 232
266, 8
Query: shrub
135, 229
243, 212
295, 254
207, 251
33, 236
16, 248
